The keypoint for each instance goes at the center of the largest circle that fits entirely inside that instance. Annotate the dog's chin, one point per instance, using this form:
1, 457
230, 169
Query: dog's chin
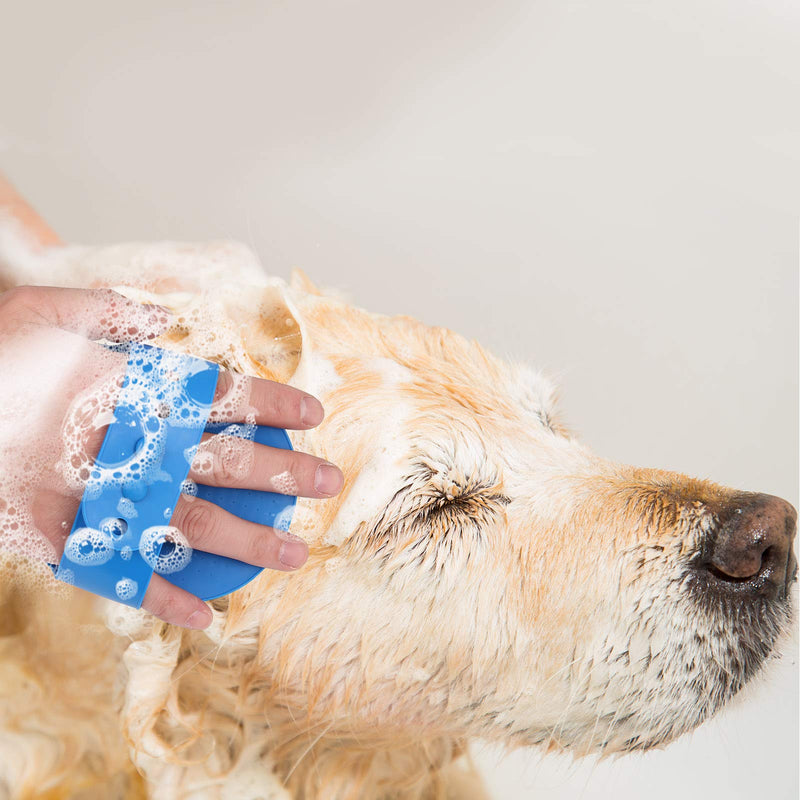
755, 634
721, 649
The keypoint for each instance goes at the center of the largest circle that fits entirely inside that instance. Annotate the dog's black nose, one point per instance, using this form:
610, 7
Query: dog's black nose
753, 546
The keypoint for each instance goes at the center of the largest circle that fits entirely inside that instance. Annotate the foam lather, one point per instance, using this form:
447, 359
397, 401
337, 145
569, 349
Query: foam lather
121, 533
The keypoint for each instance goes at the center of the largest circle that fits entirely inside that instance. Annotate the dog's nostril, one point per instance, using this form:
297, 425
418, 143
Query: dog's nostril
754, 541
724, 576
742, 565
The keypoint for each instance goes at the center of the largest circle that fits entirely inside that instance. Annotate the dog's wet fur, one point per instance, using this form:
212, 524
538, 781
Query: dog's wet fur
482, 574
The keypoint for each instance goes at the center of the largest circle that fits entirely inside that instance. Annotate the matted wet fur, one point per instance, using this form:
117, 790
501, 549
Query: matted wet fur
482, 574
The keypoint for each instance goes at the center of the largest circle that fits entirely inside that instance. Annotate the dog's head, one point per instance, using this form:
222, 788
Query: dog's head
483, 572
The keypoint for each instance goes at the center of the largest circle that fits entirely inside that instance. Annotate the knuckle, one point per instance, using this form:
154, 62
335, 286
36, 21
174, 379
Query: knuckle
200, 524
215, 459
223, 470
164, 605
28, 304
261, 550
291, 477
285, 403
288, 403
224, 385
18, 298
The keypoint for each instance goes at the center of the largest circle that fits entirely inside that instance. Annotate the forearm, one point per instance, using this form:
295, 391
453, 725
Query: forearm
11, 202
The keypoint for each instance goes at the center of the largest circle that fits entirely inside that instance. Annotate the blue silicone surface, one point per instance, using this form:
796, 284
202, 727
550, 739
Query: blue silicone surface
209, 575
117, 537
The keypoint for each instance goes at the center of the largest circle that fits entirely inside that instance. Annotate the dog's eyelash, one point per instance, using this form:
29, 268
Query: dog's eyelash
424, 503
468, 500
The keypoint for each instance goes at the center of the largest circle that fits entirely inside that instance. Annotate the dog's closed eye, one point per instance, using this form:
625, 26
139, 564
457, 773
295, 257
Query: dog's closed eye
441, 511
457, 497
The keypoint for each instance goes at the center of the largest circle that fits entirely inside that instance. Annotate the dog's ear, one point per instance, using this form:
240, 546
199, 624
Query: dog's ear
301, 282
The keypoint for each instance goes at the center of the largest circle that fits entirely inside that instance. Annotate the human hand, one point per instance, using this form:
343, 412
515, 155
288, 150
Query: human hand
58, 400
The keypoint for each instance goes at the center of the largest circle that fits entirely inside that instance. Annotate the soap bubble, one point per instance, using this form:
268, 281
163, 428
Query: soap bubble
283, 519
66, 575
126, 507
233, 397
126, 588
285, 483
189, 487
89, 547
165, 549
159, 390
114, 527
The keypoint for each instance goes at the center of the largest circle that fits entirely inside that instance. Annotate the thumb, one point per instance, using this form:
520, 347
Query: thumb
93, 313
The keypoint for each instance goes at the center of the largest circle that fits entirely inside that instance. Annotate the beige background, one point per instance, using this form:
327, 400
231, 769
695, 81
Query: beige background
608, 189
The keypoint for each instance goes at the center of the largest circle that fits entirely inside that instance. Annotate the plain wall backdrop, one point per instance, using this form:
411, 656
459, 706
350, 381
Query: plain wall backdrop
607, 190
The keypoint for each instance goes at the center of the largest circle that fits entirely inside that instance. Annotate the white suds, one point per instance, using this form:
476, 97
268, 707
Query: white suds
285, 483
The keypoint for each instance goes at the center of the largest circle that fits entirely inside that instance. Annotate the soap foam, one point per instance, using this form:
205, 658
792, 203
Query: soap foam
165, 549
229, 453
89, 547
126, 588
283, 519
126, 508
39, 366
232, 403
285, 483
189, 488
104, 314
153, 391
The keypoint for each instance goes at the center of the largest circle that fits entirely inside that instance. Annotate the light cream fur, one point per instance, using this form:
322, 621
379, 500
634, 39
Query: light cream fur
482, 574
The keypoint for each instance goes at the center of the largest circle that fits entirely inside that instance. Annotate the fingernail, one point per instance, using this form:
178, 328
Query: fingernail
199, 619
328, 479
311, 411
293, 552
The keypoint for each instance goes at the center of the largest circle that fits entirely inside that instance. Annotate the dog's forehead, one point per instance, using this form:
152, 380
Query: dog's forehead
431, 368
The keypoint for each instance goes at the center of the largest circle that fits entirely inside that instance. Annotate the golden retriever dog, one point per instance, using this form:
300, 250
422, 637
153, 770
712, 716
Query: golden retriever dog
482, 574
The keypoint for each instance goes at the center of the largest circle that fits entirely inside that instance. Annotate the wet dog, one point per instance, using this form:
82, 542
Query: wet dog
482, 574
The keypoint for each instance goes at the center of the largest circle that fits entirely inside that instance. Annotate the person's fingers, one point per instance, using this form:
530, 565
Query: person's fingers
210, 528
93, 313
175, 605
53, 514
205, 525
234, 462
272, 403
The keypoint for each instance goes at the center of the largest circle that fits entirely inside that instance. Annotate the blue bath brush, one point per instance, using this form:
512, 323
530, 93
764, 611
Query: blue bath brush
119, 536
